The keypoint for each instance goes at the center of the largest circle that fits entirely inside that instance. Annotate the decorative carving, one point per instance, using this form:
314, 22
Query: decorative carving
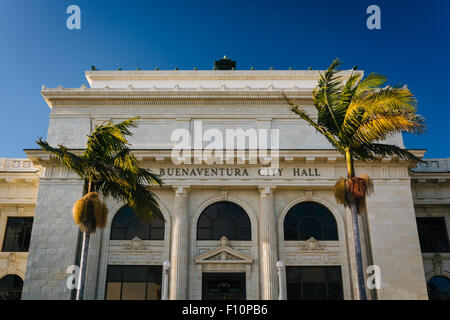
12, 262
224, 193
181, 192
437, 264
432, 165
312, 245
17, 165
224, 242
266, 192
136, 244
223, 256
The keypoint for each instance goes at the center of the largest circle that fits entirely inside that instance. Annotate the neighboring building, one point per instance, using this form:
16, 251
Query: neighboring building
19, 181
431, 192
226, 225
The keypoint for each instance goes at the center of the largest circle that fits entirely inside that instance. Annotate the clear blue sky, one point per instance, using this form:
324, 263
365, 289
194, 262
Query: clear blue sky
36, 48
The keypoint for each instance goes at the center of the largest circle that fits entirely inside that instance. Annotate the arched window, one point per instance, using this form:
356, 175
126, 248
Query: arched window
125, 226
11, 287
224, 219
310, 219
439, 288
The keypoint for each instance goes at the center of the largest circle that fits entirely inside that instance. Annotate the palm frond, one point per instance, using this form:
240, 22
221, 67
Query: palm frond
147, 177
112, 170
326, 97
109, 138
348, 92
380, 114
322, 129
382, 126
126, 124
372, 82
144, 203
389, 99
64, 158
380, 150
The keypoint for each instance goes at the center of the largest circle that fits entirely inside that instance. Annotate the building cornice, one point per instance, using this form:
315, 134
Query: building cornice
190, 75
309, 156
171, 96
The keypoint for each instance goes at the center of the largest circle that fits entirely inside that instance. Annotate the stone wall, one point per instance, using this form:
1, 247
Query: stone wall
53, 240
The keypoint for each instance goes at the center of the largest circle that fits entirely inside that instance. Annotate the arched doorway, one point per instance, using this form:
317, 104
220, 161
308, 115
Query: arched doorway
11, 287
141, 279
311, 222
224, 221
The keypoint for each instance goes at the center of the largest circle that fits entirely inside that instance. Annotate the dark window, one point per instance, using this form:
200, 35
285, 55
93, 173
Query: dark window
433, 235
133, 283
439, 288
314, 283
224, 219
11, 287
309, 219
17, 235
125, 226
223, 286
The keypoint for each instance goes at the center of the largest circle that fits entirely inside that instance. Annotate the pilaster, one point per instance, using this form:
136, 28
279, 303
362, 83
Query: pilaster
180, 246
268, 245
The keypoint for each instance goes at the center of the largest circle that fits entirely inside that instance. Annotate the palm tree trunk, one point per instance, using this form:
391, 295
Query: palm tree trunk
358, 252
355, 223
84, 258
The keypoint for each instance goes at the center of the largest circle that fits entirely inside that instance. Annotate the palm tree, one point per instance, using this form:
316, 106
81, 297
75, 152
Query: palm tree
356, 115
107, 167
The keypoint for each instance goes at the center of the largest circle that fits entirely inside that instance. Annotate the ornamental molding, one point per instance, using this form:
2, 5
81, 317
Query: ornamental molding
432, 166
223, 254
171, 109
136, 244
181, 191
312, 245
16, 165
436, 261
141, 100
12, 263
266, 191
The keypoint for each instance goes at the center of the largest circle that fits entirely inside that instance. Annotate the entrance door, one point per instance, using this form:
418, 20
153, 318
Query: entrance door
223, 286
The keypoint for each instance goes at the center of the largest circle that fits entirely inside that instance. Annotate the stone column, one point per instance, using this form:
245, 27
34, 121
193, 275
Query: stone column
179, 252
268, 253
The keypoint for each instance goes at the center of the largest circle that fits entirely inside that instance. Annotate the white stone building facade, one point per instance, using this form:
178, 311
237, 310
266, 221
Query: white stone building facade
308, 169
19, 183
431, 193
